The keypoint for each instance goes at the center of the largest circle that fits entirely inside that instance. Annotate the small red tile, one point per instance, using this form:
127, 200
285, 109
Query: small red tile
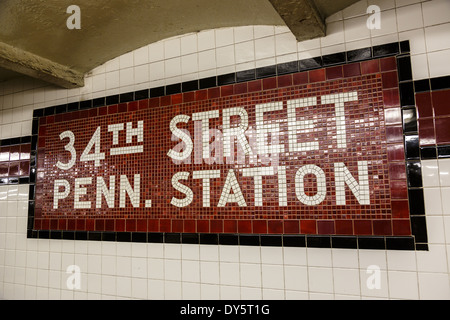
143, 104
189, 226
401, 227
394, 134
400, 209
189, 96
203, 226
90, 225
325, 227
382, 227
166, 101
14, 170
352, 70
229, 226
254, 86
80, 225
334, 72
399, 189
165, 225
214, 93
244, 226
153, 225
133, 106
368, 67
93, 112
424, 106
112, 109
240, 88
285, 81
390, 79
269, 83
154, 102
217, 226
391, 98
4, 153
177, 98
397, 171
388, 64
177, 225
442, 126
427, 136
4, 169
119, 225
141, 225
275, 226
308, 226
344, 227
441, 101
100, 224
396, 152
291, 226
260, 226
226, 90
201, 95
363, 227
24, 168
316, 75
130, 225
300, 78
103, 111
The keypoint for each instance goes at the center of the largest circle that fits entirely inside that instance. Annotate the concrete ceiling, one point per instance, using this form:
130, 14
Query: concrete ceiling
35, 41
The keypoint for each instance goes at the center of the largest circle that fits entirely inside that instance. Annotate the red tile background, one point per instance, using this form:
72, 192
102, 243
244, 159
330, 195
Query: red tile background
374, 134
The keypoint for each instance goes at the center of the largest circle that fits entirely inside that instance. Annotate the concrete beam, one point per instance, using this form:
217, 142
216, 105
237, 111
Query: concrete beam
302, 17
29, 64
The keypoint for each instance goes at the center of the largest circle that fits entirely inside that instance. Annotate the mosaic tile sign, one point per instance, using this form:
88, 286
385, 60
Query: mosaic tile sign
315, 152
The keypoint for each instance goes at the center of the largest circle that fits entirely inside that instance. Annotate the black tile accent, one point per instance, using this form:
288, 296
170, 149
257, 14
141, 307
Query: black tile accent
114, 99
344, 242
108, 236
81, 235
173, 88
123, 236
191, 238
73, 106
43, 234
287, 67
189, 86
318, 241
98, 102
209, 238
62, 108
427, 153
412, 150
422, 85
409, 120
49, 111
56, 234
421, 246
94, 235
407, 93
157, 92
225, 79
228, 239
139, 237
265, 72
271, 240
35, 126
294, 240
414, 174
126, 97
68, 235
87, 104
172, 237
4, 180
440, 83
404, 46
155, 237
208, 83
246, 75
311, 63
416, 202
333, 59
384, 50
400, 243
443, 152
13, 180
249, 240
404, 68
419, 228
142, 94
359, 54
38, 113
371, 243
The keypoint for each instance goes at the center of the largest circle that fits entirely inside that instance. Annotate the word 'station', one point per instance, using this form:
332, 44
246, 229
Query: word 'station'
274, 161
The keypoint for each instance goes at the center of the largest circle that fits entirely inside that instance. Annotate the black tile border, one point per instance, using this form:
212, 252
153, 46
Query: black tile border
413, 155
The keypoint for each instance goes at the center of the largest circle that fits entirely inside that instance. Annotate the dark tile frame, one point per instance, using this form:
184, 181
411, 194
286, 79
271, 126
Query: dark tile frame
408, 88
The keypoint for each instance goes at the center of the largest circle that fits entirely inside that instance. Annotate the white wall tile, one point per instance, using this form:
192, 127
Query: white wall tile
437, 62
409, 17
435, 12
444, 172
403, 285
346, 281
436, 38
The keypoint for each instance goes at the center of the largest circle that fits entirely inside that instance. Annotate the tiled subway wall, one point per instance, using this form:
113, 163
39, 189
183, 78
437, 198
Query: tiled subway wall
36, 268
